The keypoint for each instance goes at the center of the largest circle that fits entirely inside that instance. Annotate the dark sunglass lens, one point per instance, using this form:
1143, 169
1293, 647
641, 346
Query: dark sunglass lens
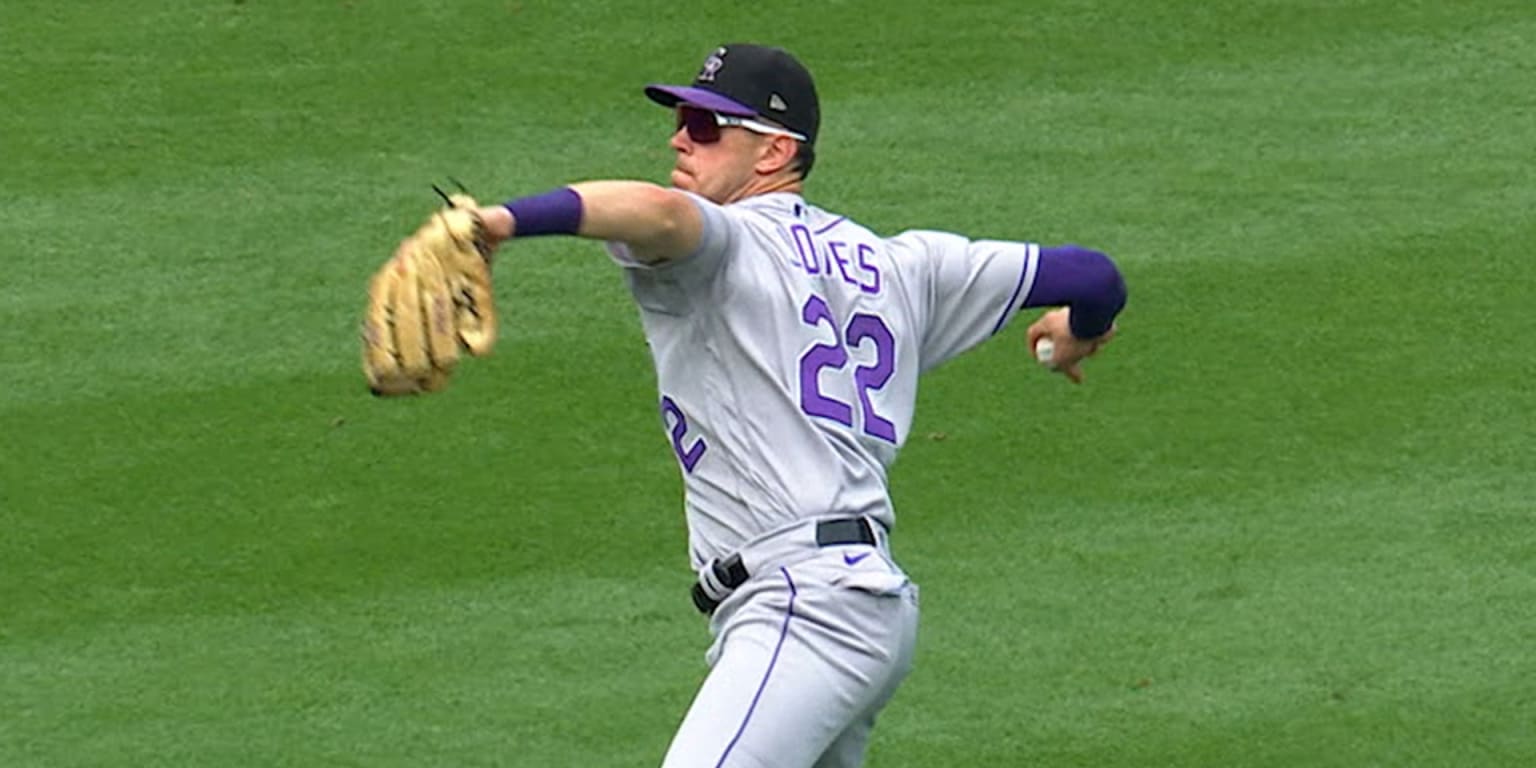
701, 125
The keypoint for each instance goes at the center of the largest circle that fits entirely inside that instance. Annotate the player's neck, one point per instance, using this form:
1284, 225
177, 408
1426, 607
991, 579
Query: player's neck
768, 185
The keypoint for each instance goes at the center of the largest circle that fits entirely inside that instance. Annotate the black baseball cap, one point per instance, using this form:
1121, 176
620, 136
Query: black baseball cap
745, 80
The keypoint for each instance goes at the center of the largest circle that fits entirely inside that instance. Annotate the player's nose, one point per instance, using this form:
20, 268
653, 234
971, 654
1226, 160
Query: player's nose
680, 141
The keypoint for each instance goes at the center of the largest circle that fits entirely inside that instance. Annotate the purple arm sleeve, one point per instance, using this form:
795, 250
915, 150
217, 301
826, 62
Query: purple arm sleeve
552, 213
1083, 279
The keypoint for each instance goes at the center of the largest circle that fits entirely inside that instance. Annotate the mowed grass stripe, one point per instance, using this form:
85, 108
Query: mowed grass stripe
479, 675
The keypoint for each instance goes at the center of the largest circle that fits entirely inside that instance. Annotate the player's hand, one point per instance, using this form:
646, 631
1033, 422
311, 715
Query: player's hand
498, 224
1068, 351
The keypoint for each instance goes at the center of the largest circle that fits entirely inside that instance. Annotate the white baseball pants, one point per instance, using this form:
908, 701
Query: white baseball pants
805, 656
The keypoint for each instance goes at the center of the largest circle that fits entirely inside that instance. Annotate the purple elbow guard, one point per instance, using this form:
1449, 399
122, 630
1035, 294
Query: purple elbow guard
552, 213
1083, 279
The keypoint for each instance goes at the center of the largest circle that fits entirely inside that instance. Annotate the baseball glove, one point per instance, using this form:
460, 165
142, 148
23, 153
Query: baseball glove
431, 300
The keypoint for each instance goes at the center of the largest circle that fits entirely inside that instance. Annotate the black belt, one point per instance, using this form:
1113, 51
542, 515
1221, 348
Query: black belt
730, 573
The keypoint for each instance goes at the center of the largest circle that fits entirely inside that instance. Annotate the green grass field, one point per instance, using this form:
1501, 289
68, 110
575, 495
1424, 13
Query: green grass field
1287, 522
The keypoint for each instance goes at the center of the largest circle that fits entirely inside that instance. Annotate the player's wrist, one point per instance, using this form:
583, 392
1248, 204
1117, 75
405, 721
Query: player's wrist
1085, 280
1088, 322
557, 212
497, 221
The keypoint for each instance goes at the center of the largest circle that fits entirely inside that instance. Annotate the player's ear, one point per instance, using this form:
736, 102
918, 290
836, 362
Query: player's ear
777, 154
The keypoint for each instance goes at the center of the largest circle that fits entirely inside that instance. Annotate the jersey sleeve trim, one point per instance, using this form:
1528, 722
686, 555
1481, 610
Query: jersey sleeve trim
1026, 283
832, 225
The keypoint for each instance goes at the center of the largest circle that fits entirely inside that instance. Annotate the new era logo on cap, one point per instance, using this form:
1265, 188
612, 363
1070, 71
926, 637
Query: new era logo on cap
776, 103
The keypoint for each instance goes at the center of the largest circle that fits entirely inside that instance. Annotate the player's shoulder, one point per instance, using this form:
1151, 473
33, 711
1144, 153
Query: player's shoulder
788, 218
788, 211
778, 207
792, 212
927, 240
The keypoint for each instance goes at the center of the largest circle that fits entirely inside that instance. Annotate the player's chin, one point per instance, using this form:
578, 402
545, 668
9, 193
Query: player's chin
682, 180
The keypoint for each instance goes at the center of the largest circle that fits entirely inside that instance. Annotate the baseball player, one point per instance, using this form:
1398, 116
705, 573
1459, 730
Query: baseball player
788, 341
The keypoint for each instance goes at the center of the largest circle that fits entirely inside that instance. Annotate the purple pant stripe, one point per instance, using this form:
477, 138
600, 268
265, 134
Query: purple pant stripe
783, 634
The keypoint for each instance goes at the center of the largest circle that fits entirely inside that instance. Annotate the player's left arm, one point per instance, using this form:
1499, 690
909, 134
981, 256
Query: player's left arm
975, 288
658, 224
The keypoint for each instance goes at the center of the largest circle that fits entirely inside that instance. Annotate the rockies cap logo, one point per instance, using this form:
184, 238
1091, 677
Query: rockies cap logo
712, 66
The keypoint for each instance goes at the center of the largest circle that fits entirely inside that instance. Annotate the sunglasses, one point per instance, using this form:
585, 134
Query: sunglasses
704, 126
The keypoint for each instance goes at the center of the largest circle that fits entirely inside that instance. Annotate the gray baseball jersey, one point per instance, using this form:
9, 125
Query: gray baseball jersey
787, 352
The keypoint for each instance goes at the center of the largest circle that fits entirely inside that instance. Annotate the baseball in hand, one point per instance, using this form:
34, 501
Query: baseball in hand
1045, 350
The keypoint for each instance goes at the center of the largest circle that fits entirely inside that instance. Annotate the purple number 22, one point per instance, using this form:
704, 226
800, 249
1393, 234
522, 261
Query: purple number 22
861, 327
